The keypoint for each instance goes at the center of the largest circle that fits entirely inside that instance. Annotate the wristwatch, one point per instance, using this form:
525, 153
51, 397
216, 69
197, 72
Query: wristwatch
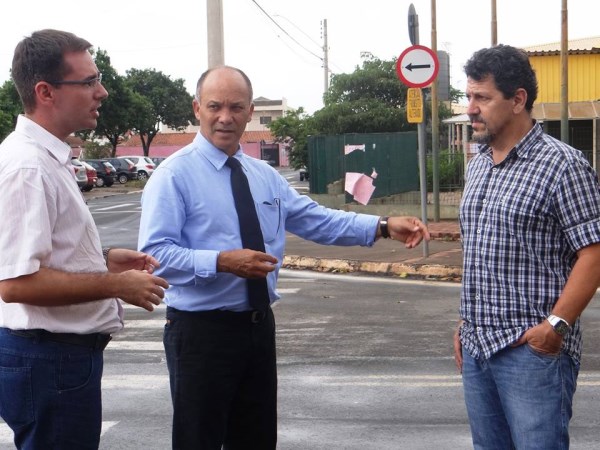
105, 251
383, 227
561, 326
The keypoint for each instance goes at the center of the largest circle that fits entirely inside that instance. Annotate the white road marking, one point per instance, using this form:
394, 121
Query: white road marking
6, 434
121, 205
288, 290
149, 346
144, 324
145, 382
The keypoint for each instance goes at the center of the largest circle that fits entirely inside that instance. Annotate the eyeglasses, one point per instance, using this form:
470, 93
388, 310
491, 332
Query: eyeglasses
90, 82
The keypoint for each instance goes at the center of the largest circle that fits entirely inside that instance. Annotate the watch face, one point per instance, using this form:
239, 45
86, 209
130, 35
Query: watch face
561, 328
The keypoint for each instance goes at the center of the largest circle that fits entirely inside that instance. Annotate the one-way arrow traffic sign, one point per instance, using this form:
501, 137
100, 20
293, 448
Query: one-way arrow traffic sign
412, 66
417, 66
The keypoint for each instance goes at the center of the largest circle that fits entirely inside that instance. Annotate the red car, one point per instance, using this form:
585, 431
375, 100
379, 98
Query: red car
90, 174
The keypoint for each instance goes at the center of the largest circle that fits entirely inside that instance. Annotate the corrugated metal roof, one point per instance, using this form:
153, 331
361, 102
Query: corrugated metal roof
550, 111
583, 45
576, 110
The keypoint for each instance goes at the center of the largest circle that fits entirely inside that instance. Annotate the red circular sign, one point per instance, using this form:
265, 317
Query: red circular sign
417, 66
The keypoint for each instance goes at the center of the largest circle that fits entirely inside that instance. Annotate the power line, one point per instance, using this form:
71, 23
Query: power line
299, 29
286, 33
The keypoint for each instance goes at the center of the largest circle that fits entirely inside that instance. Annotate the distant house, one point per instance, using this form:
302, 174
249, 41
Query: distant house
258, 144
257, 140
76, 144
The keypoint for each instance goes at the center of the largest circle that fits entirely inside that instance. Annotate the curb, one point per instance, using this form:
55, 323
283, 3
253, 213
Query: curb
400, 270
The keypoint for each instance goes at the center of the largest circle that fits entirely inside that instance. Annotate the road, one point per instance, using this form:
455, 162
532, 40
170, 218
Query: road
364, 363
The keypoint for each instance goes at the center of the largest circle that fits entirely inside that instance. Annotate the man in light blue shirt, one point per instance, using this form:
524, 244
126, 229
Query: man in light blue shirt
220, 353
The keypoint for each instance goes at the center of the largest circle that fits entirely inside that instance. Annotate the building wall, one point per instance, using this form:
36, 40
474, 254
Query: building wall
583, 73
262, 108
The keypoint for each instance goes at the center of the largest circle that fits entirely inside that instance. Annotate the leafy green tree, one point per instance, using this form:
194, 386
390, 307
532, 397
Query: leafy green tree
160, 101
118, 111
292, 130
10, 108
369, 100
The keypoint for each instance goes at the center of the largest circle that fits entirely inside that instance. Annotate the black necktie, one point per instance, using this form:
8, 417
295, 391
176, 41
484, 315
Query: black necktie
252, 238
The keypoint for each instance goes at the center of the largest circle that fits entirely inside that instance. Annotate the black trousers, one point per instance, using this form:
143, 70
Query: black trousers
223, 376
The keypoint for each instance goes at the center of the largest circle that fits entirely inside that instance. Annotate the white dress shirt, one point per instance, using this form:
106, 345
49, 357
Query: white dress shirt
45, 222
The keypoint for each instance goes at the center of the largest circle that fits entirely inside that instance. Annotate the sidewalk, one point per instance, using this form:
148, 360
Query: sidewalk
386, 257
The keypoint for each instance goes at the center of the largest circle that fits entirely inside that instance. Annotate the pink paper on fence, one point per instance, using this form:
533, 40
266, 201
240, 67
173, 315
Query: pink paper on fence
360, 186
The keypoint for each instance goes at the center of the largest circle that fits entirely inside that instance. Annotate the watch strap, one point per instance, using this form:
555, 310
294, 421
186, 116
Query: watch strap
383, 227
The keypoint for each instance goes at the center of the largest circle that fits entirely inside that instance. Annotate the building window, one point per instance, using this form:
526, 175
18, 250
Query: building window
265, 120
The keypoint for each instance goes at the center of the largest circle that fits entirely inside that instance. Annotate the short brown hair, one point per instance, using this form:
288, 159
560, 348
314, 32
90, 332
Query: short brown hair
40, 57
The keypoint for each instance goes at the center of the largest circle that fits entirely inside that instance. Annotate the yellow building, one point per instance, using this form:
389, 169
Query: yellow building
583, 70
583, 97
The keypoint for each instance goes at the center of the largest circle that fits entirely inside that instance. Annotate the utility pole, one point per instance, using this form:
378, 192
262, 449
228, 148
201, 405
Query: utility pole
494, 24
214, 31
435, 123
564, 74
325, 58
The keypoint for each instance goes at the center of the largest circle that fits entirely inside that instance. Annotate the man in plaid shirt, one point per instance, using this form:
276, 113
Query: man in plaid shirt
530, 223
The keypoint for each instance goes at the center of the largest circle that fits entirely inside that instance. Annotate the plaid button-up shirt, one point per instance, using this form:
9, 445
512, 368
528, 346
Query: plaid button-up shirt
522, 222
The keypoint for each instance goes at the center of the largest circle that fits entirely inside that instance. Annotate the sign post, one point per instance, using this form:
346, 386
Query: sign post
417, 67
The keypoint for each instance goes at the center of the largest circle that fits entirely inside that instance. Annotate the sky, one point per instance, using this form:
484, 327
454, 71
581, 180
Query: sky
285, 59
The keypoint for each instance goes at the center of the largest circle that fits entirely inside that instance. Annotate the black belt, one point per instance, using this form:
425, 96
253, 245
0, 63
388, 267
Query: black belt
219, 314
95, 341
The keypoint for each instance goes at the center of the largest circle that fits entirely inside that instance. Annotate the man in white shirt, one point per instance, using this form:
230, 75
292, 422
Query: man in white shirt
59, 289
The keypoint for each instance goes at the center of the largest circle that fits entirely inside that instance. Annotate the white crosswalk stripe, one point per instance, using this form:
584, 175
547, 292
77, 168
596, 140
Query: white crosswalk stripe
6, 434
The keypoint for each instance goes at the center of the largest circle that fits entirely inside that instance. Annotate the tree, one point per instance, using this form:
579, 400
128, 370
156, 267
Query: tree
10, 108
118, 112
292, 130
369, 100
160, 100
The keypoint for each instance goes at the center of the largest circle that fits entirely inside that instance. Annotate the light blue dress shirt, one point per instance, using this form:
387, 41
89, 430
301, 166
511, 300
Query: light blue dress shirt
189, 216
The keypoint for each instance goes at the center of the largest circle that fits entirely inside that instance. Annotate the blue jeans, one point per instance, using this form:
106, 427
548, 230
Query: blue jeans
50, 393
520, 399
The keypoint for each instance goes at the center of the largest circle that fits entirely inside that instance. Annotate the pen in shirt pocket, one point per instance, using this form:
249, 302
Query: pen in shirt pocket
275, 202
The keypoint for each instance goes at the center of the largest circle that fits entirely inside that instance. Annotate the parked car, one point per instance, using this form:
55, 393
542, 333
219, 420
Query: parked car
105, 171
126, 169
145, 166
303, 173
92, 177
157, 160
80, 174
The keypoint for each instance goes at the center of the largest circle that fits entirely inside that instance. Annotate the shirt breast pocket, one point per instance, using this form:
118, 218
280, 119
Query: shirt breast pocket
269, 215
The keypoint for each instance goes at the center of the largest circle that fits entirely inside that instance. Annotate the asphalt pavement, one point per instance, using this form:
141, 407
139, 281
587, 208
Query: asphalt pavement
442, 260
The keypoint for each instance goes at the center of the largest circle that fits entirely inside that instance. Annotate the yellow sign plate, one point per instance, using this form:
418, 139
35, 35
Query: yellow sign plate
414, 105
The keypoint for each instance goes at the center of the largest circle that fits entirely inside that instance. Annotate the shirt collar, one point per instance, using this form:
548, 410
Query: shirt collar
61, 151
525, 146
215, 156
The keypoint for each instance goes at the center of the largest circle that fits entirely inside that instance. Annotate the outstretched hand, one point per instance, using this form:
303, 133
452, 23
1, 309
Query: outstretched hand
409, 230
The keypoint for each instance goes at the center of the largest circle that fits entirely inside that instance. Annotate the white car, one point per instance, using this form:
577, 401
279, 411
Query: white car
145, 166
80, 173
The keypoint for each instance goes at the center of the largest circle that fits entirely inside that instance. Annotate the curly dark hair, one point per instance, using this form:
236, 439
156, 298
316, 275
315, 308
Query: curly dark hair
510, 68
39, 57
